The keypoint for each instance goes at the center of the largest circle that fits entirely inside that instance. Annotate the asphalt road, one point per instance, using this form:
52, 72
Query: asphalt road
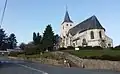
9, 66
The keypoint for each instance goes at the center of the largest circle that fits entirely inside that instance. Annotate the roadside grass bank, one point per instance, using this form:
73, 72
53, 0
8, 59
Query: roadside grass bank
106, 54
45, 58
74, 60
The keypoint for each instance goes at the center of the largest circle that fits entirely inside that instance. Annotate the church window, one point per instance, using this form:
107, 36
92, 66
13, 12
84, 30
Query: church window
84, 42
100, 34
76, 42
109, 45
92, 35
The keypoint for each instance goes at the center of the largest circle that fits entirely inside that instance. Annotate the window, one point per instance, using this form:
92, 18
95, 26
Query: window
76, 42
92, 35
70, 24
100, 34
66, 24
84, 42
109, 45
63, 27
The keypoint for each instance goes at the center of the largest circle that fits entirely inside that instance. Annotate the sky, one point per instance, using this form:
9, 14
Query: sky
23, 17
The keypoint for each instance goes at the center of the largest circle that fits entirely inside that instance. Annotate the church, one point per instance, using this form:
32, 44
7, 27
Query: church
87, 33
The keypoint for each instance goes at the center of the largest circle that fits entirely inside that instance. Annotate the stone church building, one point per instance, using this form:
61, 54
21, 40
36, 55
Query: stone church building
87, 33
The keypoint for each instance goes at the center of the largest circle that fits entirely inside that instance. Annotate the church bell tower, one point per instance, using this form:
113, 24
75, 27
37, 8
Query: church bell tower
65, 27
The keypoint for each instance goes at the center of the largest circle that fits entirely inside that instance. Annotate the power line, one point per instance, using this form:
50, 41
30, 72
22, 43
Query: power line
1, 22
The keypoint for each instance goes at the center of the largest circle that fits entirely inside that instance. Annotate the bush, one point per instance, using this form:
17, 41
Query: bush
15, 54
80, 47
117, 47
32, 50
70, 48
85, 48
97, 48
62, 48
104, 57
90, 48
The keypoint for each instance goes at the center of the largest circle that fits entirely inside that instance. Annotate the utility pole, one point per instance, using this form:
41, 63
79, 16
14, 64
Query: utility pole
3, 13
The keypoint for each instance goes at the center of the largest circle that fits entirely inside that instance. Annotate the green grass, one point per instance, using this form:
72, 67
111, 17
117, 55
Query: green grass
47, 55
89, 53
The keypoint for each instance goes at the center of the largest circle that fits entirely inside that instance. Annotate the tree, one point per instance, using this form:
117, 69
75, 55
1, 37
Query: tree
3, 40
36, 38
22, 46
48, 38
56, 41
12, 41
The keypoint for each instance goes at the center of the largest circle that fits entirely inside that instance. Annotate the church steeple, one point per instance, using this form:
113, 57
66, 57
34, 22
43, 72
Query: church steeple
67, 18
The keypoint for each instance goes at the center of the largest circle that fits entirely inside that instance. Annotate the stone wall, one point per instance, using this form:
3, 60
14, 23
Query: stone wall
41, 60
86, 63
90, 63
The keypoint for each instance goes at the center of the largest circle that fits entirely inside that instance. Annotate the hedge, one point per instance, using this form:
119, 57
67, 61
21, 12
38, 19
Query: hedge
90, 48
103, 57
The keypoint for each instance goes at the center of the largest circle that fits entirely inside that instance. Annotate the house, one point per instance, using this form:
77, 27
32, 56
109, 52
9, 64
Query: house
87, 33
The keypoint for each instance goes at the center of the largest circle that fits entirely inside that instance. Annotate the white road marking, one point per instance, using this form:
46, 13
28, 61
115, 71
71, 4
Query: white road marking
32, 69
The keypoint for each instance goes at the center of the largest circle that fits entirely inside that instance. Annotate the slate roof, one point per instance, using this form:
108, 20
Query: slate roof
90, 23
67, 18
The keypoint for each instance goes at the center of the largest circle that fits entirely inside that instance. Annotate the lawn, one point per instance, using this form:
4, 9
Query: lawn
89, 53
47, 55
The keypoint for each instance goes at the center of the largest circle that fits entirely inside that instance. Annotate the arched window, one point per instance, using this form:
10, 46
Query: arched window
100, 34
63, 27
84, 42
92, 35
109, 45
66, 24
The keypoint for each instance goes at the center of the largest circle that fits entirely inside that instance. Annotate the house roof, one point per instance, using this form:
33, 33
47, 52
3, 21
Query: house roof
67, 18
90, 23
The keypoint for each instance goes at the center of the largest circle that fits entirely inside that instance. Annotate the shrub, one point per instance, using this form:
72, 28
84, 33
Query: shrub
62, 48
14, 54
90, 48
32, 50
97, 48
70, 48
85, 48
117, 47
80, 47
105, 57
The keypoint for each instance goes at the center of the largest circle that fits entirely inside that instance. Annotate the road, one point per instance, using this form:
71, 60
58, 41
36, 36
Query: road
9, 66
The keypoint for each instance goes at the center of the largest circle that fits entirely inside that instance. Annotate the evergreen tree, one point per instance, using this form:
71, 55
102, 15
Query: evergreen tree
12, 41
56, 39
34, 37
3, 40
38, 38
48, 38
22, 46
